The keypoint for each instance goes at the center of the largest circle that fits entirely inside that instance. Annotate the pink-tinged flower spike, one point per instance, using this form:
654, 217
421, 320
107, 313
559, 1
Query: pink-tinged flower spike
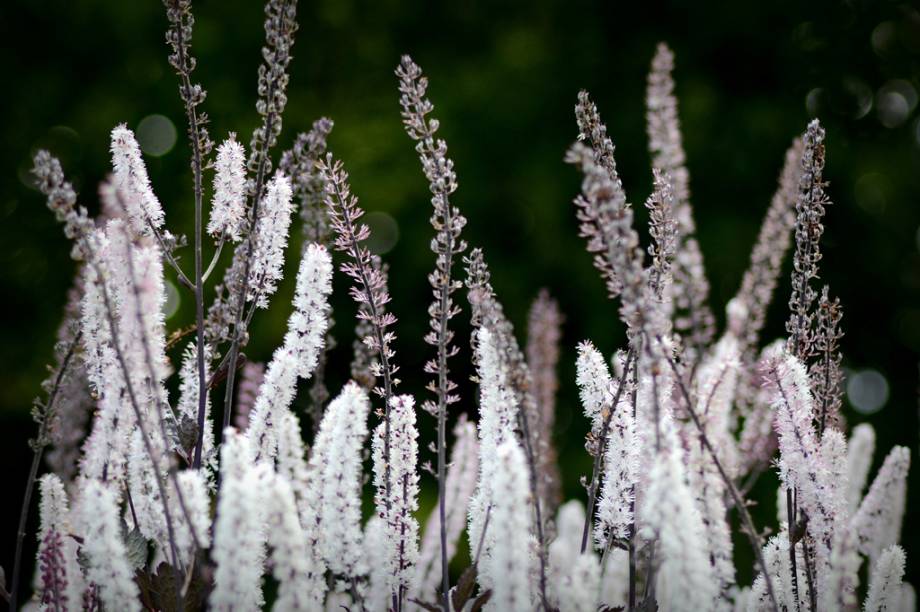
693, 317
143, 209
544, 323
497, 412
715, 391
564, 549
801, 463
270, 239
336, 472
507, 569
773, 242
859, 460
300, 586
62, 580
776, 559
228, 206
297, 357
400, 526
757, 441
878, 521
685, 578
107, 565
239, 532
251, 379
885, 581
460, 485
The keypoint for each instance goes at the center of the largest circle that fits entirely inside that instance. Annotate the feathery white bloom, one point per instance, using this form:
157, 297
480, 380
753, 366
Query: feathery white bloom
54, 514
239, 533
300, 586
228, 204
497, 411
802, 465
107, 564
564, 549
776, 558
834, 456
336, 481
270, 239
459, 487
298, 355
621, 467
885, 582
130, 177
378, 595
580, 590
187, 406
400, 527
594, 384
859, 460
145, 494
839, 577
196, 502
878, 521
507, 569
685, 579
292, 463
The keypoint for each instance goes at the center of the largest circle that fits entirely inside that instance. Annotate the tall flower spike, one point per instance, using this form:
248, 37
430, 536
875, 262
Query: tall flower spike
297, 357
270, 240
57, 549
885, 582
544, 323
195, 499
446, 245
508, 568
187, 409
400, 526
460, 485
239, 531
802, 465
693, 318
594, 385
826, 375
809, 206
497, 410
685, 580
773, 241
228, 212
336, 468
143, 209
62, 200
251, 379
877, 522
107, 564
300, 586
621, 474
859, 460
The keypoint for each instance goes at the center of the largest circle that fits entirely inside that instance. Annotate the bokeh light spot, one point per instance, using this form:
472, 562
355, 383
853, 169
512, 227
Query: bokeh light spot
867, 391
173, 300
384, 232
156, 135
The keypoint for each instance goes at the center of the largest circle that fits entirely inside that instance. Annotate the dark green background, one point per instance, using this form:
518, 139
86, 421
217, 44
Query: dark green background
504, 78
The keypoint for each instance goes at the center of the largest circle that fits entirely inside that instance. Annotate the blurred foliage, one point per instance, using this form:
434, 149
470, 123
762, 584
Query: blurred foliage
504, 77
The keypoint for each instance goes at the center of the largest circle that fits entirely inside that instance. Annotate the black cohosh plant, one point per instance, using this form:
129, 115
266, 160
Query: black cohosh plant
148, 504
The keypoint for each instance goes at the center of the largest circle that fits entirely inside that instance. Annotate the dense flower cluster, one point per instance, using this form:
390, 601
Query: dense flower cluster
158, 505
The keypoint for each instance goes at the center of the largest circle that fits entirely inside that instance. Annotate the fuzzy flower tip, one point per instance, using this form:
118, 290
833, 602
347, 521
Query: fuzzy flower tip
143, 209
270, 240
227, 207
885, 581
594, 384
